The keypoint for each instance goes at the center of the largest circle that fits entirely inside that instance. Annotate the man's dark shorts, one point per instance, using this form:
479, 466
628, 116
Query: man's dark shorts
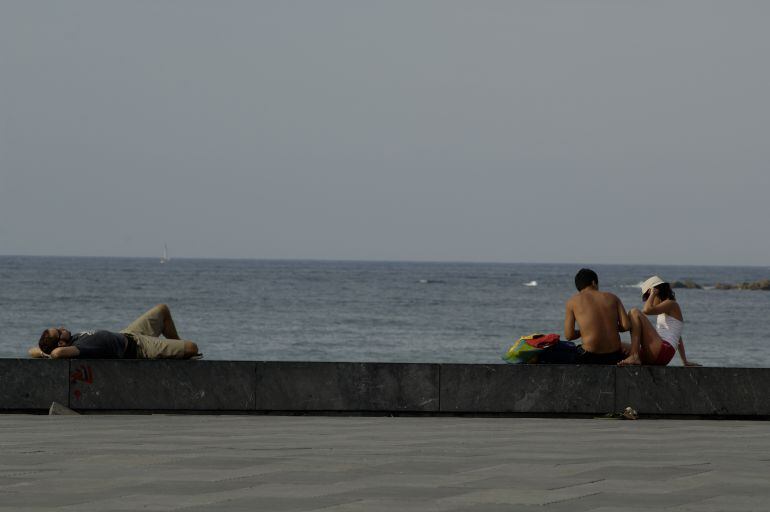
566, 352
584, 357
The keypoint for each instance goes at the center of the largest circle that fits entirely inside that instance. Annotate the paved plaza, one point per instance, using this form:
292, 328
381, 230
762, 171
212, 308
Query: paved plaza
284, 463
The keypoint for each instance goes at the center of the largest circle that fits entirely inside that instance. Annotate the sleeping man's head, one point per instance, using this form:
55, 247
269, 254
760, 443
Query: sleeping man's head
54, 337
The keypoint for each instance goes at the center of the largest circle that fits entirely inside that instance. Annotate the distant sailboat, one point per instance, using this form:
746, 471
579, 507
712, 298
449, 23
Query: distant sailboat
164, 258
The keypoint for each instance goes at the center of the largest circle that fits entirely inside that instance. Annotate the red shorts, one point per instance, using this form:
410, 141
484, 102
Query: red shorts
665, 355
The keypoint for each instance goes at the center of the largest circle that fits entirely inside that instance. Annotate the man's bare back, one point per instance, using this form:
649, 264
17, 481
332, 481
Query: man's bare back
600, 317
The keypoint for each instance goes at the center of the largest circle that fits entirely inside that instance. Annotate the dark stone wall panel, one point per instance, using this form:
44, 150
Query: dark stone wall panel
105, 385
32, 384
694, 391
527, 389
296, 386
162, 385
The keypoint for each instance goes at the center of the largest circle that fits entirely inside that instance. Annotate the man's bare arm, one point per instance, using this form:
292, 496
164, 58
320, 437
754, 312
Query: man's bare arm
37, 353
65, 352
570, 333
624, 323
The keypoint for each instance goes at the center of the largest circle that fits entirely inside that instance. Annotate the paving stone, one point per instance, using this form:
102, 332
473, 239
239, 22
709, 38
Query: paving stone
276, 504
32, 384
289, 386
233, 463
527, 389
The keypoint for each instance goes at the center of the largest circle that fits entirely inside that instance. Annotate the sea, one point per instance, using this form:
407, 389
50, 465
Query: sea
361, 311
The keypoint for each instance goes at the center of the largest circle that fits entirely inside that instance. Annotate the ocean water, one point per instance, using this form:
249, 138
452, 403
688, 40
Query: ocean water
360, 311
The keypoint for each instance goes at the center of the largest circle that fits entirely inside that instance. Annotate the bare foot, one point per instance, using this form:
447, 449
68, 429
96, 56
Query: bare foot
632, 360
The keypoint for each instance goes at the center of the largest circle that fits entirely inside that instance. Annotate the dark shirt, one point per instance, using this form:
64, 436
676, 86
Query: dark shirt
100, 344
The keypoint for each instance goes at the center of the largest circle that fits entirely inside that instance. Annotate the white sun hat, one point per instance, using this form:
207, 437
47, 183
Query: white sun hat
651, 283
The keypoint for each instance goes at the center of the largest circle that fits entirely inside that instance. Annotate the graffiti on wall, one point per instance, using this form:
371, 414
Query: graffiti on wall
83, 374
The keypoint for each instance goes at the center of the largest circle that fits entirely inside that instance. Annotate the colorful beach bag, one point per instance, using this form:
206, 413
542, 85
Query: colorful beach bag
528, 348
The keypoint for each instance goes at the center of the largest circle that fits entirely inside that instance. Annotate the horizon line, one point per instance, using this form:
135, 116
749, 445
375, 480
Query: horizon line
353, 260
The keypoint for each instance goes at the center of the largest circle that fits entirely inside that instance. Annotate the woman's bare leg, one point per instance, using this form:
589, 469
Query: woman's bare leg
645, 342
636, 340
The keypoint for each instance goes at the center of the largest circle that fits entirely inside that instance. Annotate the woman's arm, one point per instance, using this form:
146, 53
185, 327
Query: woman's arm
649, 304
666, 306
684, 356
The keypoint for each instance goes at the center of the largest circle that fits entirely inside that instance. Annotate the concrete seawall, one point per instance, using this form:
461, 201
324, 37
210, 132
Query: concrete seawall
380, 388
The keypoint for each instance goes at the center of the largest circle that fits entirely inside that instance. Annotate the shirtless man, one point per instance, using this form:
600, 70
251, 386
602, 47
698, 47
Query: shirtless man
600, 316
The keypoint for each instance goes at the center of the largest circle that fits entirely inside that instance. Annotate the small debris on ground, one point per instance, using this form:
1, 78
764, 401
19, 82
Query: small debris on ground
630, 414
58, 409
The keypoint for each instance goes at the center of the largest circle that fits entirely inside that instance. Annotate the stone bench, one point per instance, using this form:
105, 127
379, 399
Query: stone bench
28, 385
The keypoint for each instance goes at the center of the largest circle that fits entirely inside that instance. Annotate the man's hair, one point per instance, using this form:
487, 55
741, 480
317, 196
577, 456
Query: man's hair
585, 277
47, 342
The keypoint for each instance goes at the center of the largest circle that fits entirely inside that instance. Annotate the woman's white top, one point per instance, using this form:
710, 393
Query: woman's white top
669, 329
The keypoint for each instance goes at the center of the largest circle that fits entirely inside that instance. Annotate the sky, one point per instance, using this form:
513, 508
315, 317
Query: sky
428, 130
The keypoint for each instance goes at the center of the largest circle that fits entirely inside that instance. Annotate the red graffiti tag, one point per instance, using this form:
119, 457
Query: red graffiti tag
82, 374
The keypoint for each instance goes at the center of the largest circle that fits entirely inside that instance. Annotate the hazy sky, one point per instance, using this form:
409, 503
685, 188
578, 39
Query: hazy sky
575, 131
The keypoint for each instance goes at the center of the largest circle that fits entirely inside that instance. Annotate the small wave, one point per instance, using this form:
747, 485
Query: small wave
637, 285
531, 283
429, 281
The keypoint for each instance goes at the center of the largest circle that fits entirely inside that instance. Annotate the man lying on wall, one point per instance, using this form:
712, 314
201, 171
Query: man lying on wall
140, 340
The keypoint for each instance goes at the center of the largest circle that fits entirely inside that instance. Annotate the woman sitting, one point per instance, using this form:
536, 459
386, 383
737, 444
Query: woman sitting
656, 345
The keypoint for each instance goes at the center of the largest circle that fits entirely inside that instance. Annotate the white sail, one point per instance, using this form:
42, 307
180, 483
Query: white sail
164, 258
